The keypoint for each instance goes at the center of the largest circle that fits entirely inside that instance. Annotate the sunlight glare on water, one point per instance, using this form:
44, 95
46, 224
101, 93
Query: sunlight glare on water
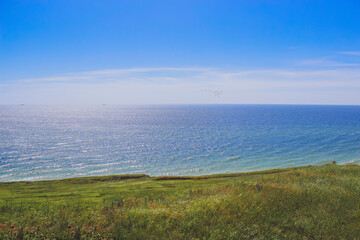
54, 142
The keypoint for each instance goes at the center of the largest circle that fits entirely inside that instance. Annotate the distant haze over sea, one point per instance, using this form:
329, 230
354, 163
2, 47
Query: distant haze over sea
54, 142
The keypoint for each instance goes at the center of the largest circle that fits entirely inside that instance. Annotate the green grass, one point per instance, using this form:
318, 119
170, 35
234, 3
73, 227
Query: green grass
319, 202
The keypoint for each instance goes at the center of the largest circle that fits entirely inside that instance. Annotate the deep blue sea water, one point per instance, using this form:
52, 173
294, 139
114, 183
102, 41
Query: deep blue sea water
54, 142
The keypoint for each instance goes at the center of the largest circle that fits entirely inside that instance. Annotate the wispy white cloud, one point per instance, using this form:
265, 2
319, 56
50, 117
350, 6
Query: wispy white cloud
356, 53
326, 62
186, 85
114, 74
176, 75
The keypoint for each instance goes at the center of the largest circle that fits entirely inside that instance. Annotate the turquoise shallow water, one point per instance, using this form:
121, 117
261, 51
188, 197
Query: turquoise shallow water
53, 142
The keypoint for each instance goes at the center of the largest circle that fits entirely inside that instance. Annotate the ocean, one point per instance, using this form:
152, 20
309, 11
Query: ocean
56, 142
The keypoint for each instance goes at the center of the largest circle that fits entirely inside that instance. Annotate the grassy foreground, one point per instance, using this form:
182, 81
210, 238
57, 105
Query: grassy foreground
321, 202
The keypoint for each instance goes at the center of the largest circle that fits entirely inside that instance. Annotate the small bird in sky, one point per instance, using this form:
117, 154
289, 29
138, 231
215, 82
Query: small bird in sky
215, 93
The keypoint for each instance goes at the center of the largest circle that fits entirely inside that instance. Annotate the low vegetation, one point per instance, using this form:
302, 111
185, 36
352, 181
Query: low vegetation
315, 202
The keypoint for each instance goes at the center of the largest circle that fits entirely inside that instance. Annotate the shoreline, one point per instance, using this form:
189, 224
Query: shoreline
118, 177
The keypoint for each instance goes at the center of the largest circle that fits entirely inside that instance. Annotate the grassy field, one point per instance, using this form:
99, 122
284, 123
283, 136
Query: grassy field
315, 202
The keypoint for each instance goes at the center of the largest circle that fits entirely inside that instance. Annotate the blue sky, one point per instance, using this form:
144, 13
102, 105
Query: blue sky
179, 52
